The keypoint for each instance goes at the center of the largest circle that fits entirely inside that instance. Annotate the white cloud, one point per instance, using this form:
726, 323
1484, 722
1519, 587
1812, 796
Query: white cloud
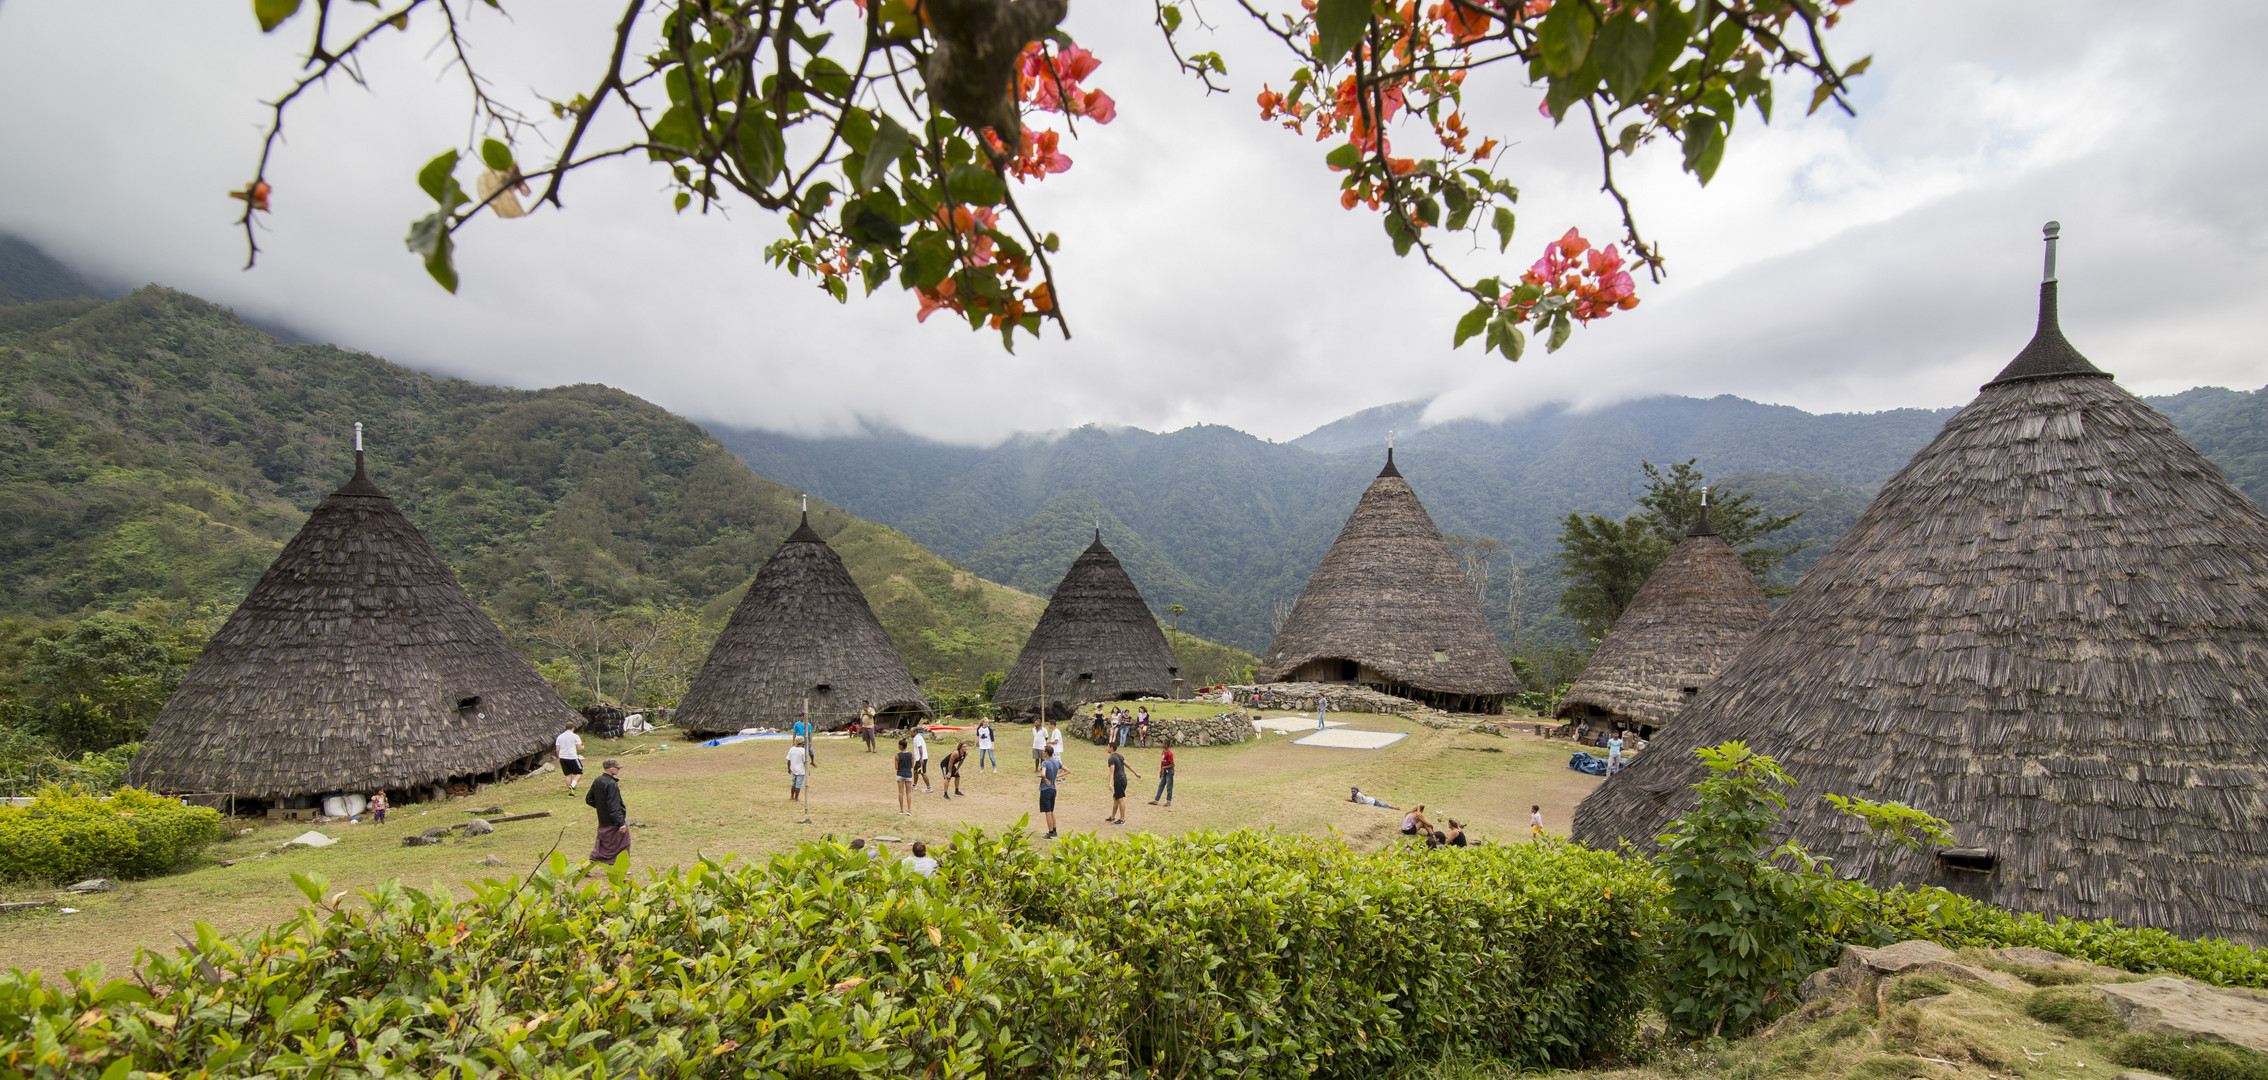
1836, 263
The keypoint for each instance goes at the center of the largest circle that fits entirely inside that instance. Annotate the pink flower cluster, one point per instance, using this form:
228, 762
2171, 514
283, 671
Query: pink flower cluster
1593, 279
1050, 83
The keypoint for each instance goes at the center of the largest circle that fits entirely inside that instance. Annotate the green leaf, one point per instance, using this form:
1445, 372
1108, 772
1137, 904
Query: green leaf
1172, 16
1428, 211
676, 134
1561, 328
1628, 142
1672, 29
889, 142
1565, 37
1343, 156
975, 185
927, 261
435, 178
1704, 147
310, 886
762, 150
1338, 28
870, 225
429, 236
1398, 228
495, 155
1625, 51
1474, 322
1504, 223
272, 13
684, 199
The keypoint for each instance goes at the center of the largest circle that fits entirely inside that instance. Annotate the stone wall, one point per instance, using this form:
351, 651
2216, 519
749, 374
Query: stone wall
1345, 697
1229, 727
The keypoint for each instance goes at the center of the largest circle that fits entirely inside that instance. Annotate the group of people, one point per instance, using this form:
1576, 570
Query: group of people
1419, 827
1122, 727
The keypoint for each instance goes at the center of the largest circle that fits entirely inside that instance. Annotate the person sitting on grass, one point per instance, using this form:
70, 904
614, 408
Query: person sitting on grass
920, 862
1456, 833
1414, 822
1355, 795
1436, 839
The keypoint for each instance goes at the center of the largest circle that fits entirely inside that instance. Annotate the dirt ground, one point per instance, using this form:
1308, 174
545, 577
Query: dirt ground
733, 799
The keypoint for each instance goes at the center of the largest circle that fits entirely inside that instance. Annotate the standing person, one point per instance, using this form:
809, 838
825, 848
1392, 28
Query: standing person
1322, 709
803, 732
949, 773
568, 748
1054, 741
921, 758
1535, 820
605, 796
798, 766
378, 807
1039, 745
1614, 754
905, 780
1118, 770
1051, 771
1165, 776
866, 723
984, 746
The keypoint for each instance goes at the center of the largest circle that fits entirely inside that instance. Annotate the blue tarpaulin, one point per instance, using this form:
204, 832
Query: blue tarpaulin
1583, 762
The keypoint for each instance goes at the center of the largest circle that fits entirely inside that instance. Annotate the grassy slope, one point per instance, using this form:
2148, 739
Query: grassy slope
157, 446
732, 799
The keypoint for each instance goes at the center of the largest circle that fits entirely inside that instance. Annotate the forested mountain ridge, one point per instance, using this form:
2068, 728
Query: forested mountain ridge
1230, 525
158, 447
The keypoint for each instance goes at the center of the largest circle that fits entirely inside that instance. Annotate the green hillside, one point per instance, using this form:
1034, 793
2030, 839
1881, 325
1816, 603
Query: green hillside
158, 448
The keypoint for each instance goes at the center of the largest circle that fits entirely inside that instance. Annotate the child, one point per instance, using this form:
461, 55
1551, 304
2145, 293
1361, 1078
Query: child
1535, 820
378, 808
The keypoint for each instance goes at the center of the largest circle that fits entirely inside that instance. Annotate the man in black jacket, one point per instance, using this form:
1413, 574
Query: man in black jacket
613, 819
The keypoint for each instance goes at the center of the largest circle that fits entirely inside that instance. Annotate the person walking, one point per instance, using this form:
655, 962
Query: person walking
1165, 776
1118, 770
921, 758
1051, 771
568, 748
949, 772
1614, 754
1322, 709
378, 808
866, 723
605, 796
984, 746
905, 780
1039, 745
798, 768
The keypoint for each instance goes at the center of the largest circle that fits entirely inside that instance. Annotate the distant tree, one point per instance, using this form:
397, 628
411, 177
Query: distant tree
1672, 503
1474, 554
991, 684
661, 651
1606, 561
1177, 611
99, 683
578, 638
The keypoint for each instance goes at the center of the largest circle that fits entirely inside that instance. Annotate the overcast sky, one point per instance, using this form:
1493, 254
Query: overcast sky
1836, 264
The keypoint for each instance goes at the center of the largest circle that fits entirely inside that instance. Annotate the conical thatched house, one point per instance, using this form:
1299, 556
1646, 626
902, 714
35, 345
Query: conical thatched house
2048, 629
356, 664
803, 634
1097, 641
1687, 622
1390, 609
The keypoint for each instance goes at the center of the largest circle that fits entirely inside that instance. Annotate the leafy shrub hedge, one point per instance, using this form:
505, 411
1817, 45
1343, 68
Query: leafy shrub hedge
1955, 921
67, 834
1241, 954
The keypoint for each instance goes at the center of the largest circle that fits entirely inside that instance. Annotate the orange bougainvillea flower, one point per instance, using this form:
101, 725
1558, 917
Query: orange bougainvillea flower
255, 194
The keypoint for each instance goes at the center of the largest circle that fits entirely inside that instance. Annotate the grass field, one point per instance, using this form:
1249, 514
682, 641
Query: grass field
695, 800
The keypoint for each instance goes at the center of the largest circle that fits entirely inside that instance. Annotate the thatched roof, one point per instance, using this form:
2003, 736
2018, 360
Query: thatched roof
803, 633
1098, 640
2048, 629
1687, 622
357, 663
1392, 598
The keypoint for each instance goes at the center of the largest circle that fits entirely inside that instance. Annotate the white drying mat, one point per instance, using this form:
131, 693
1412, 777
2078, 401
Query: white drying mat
1351, 739
1288, 724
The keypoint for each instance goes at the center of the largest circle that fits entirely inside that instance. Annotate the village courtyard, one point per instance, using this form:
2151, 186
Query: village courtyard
695, 801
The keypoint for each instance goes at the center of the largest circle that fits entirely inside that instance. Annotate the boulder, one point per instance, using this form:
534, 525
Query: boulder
477, 827
2031, 957
1822, 984
1915, 957
92, 885
437, 832
2185, 1009
489, 860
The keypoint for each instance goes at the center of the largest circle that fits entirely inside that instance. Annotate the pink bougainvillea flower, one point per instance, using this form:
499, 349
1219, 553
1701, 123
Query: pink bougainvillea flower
1099, 107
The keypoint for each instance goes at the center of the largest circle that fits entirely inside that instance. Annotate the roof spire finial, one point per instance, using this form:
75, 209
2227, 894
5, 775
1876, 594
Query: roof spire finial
358, 453
1701, 523
2049, 355
1389, 470
1098, 530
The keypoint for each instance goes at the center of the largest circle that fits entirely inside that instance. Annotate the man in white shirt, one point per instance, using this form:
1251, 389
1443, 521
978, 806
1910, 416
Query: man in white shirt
569, 749
1039, 745
921, 759
798, 767
920, 862
984, 746
1054, 740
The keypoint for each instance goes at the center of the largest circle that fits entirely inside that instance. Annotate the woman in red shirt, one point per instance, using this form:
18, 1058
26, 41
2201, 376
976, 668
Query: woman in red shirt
1165, 776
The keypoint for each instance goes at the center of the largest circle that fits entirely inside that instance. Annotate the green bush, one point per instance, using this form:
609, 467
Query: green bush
1244, 954
2186, 1060
1255, 954
1871, 917
67, 834
2076, 1009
